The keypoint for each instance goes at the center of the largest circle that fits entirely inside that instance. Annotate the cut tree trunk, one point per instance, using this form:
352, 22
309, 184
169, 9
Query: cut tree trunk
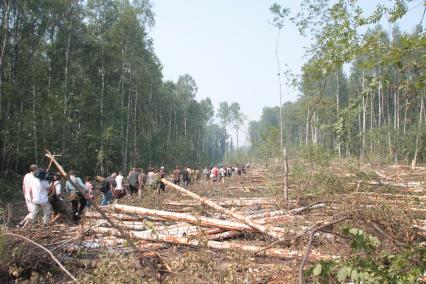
184, 217
224, 246
263, 229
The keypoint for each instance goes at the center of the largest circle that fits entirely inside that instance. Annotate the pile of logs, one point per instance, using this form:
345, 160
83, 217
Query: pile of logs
160, 228
167, 227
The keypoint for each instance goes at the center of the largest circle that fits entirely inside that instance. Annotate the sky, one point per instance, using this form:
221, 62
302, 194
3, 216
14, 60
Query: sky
228, 47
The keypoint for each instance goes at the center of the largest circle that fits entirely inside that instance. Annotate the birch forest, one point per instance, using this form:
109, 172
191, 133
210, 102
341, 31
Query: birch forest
360, 94
81, 78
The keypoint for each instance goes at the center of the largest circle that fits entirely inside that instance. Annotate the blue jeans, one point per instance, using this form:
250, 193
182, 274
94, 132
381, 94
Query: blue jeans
106, 198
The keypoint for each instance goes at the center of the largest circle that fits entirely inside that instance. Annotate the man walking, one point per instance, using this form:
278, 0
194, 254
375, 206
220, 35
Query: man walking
176, 176
26, 190
133, 181
40, 189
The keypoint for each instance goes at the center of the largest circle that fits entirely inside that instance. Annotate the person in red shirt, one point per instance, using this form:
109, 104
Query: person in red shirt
176, 176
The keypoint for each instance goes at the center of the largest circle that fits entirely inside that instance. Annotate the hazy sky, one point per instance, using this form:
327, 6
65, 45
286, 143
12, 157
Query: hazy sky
228, 47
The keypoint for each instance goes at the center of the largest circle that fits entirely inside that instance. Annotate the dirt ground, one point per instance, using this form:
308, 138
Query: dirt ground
386, 201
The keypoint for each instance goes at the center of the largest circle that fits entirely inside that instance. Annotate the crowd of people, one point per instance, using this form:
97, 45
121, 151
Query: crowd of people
43, 190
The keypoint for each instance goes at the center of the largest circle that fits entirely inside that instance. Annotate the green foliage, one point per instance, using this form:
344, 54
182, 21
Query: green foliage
316, 155
81, 79
370, 265
361, 240
280, 14
368, 110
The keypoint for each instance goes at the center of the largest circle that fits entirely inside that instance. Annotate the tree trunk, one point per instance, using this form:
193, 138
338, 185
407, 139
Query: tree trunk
102, 89
339, 146
126, 143
245, 220
122, 89
34, 101
364, 116
67, 53
371, 119
135, 132
285, 174
222, 246
184, 217
307, 129
418, 137
5, 21
380, 96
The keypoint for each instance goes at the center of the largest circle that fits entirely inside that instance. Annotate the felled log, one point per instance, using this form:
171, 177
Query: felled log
224, 235
389, 195
263, 229
121, 217
225, 246
298, 210
269, 214
408, 185
228, 202
147, 234
185, 217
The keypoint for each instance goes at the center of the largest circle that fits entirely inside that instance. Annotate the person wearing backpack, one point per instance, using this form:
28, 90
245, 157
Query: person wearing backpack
107, 188
77, 199
133, 181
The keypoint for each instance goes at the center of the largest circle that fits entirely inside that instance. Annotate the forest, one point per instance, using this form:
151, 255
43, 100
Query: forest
149, 183
375, 109
81, 78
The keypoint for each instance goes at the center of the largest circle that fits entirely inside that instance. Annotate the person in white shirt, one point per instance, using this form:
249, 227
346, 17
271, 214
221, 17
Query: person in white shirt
26, 187
40, 189
26, 190
119, 189
151, 179
119, 180
222, 174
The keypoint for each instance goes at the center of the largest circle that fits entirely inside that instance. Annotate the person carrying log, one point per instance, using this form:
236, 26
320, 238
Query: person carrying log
77, 199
